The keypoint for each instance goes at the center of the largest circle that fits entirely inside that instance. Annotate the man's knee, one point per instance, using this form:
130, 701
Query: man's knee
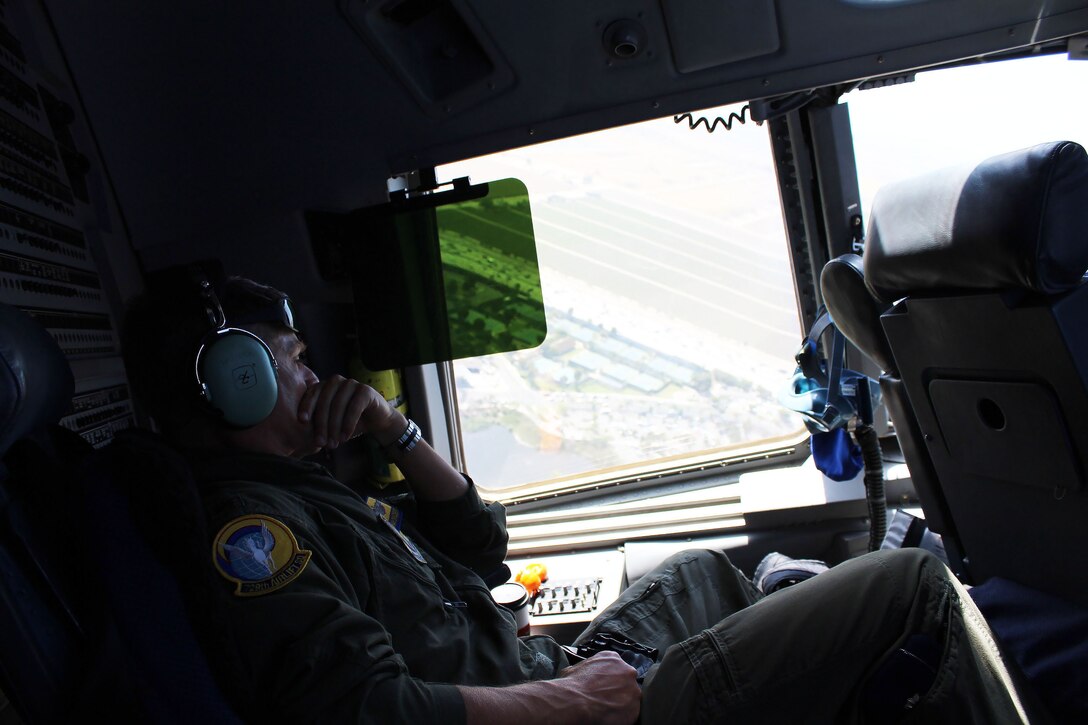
910, 559
877, 594
914, 573
697, 557
688, 567
904, 569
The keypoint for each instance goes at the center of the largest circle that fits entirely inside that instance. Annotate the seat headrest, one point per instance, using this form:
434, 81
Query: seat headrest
36, 383
1015, 221
854, 310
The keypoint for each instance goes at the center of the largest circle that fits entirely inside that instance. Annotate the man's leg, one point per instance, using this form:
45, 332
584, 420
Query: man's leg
687, 593
828, 650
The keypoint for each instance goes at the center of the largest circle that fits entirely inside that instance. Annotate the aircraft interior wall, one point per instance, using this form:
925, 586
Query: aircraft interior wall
63, 245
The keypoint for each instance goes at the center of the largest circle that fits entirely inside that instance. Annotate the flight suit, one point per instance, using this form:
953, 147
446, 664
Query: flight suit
889, 637
359, 618
362, 615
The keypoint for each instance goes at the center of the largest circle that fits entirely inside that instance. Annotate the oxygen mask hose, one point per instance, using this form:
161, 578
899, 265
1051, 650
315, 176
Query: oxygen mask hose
874, 483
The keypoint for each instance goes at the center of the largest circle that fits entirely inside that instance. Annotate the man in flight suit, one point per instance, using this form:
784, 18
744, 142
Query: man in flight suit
347, 609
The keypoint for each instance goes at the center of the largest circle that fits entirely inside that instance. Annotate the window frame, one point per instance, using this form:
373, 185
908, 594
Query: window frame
786, 449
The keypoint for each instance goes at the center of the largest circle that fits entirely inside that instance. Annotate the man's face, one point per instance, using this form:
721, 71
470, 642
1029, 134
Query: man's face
286, 432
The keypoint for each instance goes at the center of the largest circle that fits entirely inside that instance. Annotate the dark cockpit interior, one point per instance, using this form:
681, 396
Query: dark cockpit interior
327, 148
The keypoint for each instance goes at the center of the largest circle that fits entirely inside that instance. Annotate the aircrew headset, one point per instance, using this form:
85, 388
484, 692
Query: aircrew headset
235, 369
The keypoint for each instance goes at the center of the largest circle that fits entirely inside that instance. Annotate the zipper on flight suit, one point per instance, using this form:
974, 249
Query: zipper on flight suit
645, 593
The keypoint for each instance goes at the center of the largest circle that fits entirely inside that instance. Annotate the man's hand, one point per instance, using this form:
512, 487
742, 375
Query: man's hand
341, 408
608, 688
603, 689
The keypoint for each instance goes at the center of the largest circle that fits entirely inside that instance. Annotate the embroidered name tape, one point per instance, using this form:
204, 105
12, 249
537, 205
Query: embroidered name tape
259, 554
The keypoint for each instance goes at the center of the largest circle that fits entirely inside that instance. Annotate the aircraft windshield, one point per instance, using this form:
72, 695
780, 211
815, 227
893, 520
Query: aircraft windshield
962, 115
672, 319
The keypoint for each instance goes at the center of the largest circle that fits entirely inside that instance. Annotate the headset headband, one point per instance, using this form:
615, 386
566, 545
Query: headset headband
280, 312
214, 311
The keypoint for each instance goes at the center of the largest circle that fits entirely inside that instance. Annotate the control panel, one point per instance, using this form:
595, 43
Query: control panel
566, 597
53, 218
575, 588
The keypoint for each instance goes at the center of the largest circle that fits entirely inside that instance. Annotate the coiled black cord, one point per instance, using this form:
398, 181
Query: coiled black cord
874, 484
734, 117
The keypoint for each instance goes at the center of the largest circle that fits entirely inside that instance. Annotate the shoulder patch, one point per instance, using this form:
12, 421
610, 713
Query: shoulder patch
259, 554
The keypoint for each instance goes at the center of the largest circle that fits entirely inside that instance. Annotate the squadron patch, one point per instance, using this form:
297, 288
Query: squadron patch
259, 554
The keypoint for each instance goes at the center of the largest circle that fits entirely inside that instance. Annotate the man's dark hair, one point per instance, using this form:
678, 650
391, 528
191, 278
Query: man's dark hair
162, 331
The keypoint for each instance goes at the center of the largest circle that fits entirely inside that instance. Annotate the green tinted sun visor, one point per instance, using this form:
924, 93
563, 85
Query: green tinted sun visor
440, 276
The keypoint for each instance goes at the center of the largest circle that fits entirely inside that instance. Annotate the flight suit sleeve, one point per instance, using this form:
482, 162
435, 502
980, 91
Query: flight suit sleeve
317, 656
467, 530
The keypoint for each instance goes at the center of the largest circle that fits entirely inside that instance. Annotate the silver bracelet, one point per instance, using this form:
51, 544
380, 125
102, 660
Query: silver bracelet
411, 436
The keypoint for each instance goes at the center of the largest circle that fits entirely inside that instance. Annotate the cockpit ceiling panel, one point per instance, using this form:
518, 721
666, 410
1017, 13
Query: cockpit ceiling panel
296, 105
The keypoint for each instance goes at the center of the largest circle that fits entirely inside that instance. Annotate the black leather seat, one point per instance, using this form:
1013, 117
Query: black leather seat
47, 618
971, 300
103, 562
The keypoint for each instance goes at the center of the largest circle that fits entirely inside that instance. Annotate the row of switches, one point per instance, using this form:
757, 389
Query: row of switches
565, 597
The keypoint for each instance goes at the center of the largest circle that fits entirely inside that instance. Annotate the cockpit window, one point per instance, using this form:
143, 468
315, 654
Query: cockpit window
672, 316
964, 115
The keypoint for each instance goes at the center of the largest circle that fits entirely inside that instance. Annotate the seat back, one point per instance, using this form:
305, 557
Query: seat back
144, 512
987, 328
857, 314
46, 622
99, 573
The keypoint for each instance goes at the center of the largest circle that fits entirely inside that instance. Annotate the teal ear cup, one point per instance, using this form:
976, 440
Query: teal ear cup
236, 372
